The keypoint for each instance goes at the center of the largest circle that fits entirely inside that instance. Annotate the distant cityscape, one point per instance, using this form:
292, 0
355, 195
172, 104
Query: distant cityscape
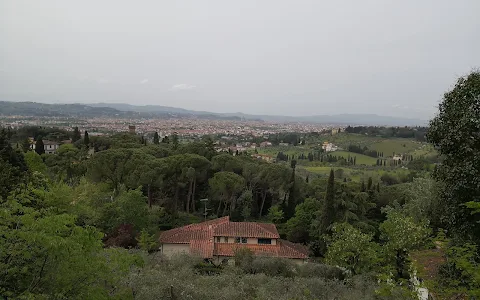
185, 128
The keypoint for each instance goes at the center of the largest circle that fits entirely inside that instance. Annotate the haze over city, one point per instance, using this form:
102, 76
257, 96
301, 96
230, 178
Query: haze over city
260, 57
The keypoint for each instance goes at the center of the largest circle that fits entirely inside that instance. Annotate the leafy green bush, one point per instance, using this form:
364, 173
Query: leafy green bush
460, 275
176, 278
204, 268
272, 266
320, 271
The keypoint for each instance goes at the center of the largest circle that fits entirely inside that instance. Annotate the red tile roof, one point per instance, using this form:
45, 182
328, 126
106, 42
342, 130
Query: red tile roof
204, 248
247, 229
200, 237
294, 247
199, 231
281, 249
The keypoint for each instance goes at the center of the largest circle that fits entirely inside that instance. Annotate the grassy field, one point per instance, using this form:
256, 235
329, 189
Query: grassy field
343, 140
390, 146
296, 151
361, 159
424, 150
354, 174
289, 150
387, 146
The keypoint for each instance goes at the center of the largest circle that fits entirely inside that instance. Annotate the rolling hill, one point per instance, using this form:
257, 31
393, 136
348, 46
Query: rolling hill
128, 110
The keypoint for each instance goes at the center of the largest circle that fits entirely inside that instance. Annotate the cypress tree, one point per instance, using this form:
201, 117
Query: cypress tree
39, 146
370, 183
290, 209
156, 138
86, 139
26, 144
175, 141
76, 135
363, 186
378, 187
329, 208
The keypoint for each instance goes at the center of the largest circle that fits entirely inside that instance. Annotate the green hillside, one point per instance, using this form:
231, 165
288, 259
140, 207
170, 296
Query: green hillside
361, 159
390, 146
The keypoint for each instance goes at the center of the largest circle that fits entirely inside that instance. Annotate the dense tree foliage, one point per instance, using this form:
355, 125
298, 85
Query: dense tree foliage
455, 132
83, 223
417, 133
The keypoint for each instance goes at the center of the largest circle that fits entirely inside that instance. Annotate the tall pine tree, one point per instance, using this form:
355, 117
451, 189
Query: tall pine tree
86, 139
156, 138
328, 215
76, 135
175, 141
370, 183
39, 146
290, 208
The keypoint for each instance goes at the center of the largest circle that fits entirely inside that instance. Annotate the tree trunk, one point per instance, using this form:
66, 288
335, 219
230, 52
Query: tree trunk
225, 208
193, 193
218, 209
264, 196
176, 197
232, 205
189, 195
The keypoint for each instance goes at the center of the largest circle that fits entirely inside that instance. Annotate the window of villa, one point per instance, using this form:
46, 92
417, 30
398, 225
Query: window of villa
237, 240
244, 240
218, 239
265, 241
225, 239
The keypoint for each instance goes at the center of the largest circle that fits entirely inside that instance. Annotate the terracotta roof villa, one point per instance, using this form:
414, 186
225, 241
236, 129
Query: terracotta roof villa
219, 239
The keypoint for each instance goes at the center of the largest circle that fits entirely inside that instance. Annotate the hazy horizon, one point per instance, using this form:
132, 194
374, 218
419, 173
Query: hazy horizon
291, 58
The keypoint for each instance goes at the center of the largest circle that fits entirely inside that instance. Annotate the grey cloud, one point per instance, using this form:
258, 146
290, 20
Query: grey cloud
103, 80
281, 57
182, 87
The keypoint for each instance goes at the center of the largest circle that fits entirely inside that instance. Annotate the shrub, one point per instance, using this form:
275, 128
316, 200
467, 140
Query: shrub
122, 236
204, 268
146, 241
272, 266
321, 271
243, 259
388, 179
175, 278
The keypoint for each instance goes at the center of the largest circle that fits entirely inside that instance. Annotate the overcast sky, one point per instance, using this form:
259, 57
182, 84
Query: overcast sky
280, 57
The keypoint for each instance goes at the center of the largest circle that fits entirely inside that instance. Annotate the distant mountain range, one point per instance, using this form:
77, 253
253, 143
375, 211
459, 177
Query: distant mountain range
151, 111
